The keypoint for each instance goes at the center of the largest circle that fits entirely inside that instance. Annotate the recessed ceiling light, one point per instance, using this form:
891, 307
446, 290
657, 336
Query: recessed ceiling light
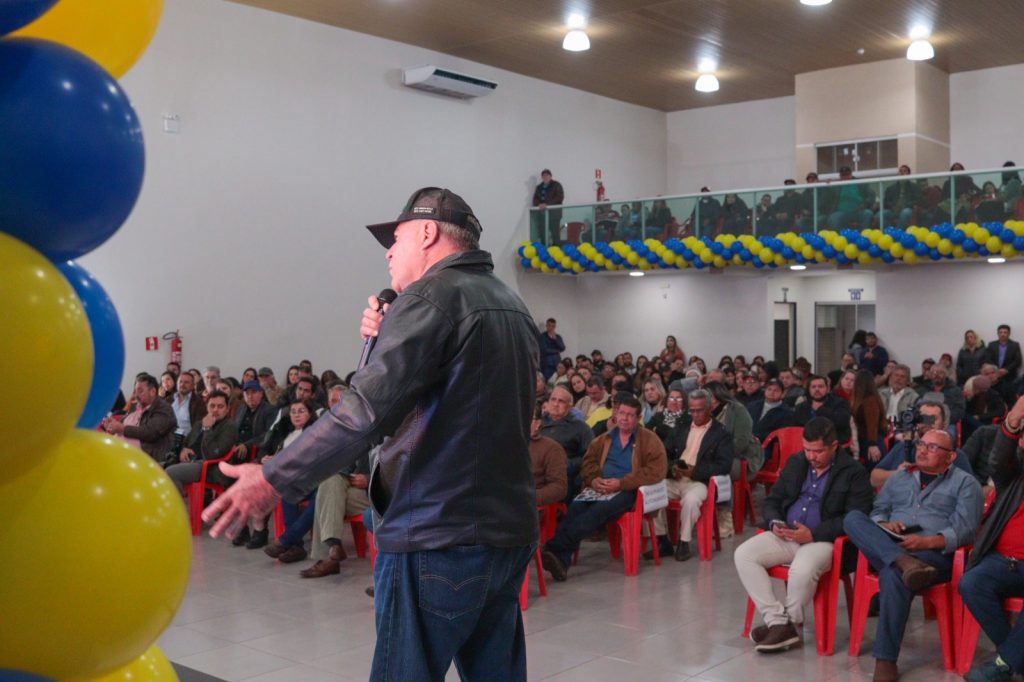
636, 273
797, 267
920, 50
996, 260
814, 3
860, 50
706, 83
707, 65
576, 20
576, 40
919, 31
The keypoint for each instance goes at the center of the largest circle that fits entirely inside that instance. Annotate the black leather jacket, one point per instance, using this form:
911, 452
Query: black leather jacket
450, 384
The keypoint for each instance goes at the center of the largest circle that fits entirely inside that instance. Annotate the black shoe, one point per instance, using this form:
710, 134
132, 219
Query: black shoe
683, 551
873, 607
778, 638
258, 539
369, 591
241, 538
553, 565
757, 635
664, 549
989, 672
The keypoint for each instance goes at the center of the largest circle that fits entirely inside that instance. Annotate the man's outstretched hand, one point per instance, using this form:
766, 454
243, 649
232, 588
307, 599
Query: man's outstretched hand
250, 499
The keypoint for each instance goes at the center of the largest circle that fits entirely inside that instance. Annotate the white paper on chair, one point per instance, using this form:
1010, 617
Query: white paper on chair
591, 495
655, 496
724, 486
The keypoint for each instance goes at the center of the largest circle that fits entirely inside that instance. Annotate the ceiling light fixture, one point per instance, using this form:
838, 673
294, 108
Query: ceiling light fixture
706, 83
996, 260
576, 40
815, 3
920, 50
636, 273
797, 267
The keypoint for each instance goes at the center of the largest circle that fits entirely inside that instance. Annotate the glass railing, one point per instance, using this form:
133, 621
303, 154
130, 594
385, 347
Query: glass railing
924, 200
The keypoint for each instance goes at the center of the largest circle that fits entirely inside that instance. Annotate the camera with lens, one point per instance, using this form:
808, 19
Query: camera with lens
908, 420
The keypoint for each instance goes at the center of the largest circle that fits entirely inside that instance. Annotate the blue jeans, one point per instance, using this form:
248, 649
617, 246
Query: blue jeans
459, 603
983, 588
894, 597
841, 220
297, 521
583, 519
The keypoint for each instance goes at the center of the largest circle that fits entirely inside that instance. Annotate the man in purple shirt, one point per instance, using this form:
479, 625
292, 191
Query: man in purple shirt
804, 514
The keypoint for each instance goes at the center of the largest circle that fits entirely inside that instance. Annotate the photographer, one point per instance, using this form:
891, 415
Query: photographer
913, 424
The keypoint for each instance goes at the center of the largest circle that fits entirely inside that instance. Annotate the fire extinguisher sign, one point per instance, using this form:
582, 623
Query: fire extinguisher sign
152, 343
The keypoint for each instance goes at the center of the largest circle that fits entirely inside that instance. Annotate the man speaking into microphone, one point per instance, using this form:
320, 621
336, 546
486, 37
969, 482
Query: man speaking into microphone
450, 383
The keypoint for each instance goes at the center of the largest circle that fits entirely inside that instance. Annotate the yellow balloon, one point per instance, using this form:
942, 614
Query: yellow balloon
47, 344
706, 256
599, 260
669, 258
535, 263
798, 244
1008, 251
779, 259
529, 252
850, 251
864, 258
109, 559
544, 267
114, 36
885, 242
897, 250
981, 235
632, 258
718, 262
910, 258
807, 252
958, 251
839, 243
765, 255
932, 240
993, 244
151, 666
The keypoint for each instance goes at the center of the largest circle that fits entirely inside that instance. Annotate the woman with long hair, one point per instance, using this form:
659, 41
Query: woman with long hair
577, 386
970, 358
672, 352
298, 521
844, 387
653, 399
869, 417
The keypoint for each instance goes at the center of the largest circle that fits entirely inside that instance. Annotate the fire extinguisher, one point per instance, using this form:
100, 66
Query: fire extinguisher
599, 184
175, 339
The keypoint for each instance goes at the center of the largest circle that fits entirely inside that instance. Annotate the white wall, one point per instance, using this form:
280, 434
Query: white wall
923, 311
984, 116
732, 146
248, 235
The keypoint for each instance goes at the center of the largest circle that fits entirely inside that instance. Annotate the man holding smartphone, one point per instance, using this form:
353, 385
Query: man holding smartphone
804, 515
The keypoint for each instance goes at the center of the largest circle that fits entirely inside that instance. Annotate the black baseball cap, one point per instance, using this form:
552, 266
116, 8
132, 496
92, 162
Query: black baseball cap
429, 203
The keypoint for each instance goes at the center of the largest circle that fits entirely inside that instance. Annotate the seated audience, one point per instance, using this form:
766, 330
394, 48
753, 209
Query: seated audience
749, 389
653, 399
562, 426
792, 386
899, 201
270, 386
821, 403
253, 420
848, 362
696, 450
921, 380
897, 395
1000, 384
928, 416
615, 466
211, 438
211, 375
168, 384
803, 515
674, 414
944, 503
188, 409
982, 405
595, 398
844, 388
995, 570
940, 384
770, 413
869, 419
154, 429
547, 459
737, 422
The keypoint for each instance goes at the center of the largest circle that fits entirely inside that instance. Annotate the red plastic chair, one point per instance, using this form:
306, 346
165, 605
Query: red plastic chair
742, 500
941, 598
783, 443
573, 231
970, 630
707, 524
625, 539
549, 520
826, 599
355, 522
196, 492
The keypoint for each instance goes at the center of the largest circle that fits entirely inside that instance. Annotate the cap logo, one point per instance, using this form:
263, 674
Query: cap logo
422, 209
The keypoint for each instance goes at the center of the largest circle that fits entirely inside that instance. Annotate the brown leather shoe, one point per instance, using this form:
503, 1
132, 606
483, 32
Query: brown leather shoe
337, 553
885, 671
322, 568
292, 554
917, 575
275, 550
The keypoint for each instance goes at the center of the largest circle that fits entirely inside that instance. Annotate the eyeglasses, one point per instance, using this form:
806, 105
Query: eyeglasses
697, 410
933, 447
675, 400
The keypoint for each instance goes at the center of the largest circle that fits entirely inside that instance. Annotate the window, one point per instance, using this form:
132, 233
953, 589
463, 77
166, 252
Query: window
867, 157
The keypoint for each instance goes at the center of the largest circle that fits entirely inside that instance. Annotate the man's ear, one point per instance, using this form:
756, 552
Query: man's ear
430, 235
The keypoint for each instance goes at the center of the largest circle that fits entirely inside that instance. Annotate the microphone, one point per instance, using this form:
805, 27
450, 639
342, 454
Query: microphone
385, 296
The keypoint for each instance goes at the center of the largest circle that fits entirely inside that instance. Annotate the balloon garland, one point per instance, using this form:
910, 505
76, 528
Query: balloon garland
911, 246
100, 543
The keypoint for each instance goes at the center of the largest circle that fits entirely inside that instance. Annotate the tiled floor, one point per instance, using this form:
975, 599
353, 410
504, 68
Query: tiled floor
247, 617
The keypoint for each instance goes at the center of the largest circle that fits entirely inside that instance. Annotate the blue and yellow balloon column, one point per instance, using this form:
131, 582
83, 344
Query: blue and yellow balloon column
891, 245
95, 537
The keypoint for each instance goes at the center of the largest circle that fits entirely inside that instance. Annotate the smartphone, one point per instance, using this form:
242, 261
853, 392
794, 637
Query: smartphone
779, 523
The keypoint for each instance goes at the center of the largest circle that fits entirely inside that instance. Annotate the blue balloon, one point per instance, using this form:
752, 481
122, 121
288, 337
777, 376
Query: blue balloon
525, 262
908, 241
934, 254
887, 257
788, 253
970, 246
7, 675
736, 246
1006, 236
617, 259
863, 244
828, 252
957, 236
1018, 243
72, 157
983, 251
717, 249
17, 13
921, 249
842, 259
699, 264
687, 254
758, 263
107, 343
745, 255
874, 251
